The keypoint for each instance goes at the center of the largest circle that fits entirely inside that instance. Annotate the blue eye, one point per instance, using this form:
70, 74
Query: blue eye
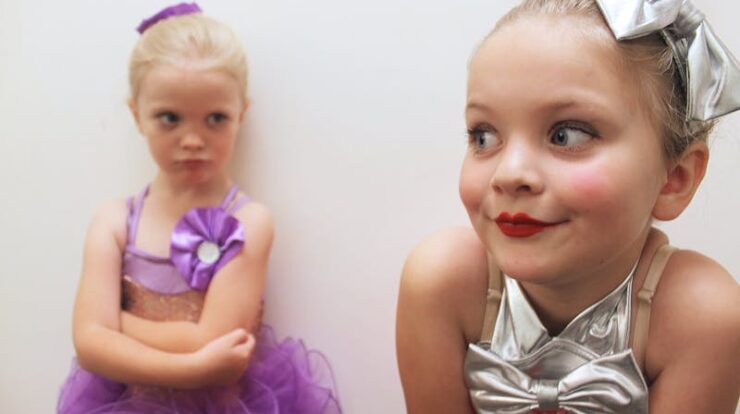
216, 118
168, 118
482, 139
572, 136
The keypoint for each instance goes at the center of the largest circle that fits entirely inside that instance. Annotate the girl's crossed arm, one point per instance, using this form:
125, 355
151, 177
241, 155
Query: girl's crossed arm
233, 299
101, 347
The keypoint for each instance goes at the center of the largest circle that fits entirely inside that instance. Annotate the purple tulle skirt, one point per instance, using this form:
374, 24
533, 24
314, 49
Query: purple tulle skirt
283, 378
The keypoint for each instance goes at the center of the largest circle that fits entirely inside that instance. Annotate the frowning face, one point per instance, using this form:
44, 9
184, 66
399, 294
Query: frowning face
190, 118
563, 167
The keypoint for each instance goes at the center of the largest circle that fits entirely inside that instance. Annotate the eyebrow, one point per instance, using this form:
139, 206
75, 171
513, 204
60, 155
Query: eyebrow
572, 103
554, 105
477, 106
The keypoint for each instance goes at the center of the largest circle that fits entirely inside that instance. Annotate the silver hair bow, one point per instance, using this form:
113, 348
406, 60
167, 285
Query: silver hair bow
708, 70
610, 384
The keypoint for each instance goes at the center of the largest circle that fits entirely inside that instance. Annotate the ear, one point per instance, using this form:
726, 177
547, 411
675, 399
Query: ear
244, 110
684, 177
134, 112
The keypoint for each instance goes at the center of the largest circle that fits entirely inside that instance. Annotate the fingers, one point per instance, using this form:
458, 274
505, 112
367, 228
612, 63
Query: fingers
234, 337
239, 335
241, 342
238, 339
244, 349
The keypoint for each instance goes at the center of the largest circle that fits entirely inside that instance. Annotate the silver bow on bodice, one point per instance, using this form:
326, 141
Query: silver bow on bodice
595, 387
710, 73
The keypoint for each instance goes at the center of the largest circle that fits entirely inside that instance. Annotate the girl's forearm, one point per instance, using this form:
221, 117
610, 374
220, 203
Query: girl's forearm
174, 336
120, 358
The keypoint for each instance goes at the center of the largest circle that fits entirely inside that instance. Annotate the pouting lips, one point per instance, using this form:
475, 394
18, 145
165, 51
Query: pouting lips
193, 163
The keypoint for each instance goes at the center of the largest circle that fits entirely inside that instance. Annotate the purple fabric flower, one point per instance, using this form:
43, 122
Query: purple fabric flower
204, 240
171, 11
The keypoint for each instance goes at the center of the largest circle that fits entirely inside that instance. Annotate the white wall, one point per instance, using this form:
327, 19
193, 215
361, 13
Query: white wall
354, 139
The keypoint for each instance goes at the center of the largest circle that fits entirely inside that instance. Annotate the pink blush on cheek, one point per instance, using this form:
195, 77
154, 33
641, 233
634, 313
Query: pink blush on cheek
591, 187
473, 185
470, 195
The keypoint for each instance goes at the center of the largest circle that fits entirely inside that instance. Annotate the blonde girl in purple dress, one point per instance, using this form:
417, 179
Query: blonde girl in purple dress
167, 317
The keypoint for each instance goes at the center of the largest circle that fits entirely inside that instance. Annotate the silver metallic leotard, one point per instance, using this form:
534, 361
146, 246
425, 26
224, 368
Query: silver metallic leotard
588, 368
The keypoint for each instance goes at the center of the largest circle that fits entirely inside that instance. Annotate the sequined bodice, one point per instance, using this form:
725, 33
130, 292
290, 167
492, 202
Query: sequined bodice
587, 368
148, 304
152, 287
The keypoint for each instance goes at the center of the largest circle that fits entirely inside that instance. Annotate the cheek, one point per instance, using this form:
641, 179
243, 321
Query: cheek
224, 143
473, 183
593, 189
156, 148
615, 191
589, 185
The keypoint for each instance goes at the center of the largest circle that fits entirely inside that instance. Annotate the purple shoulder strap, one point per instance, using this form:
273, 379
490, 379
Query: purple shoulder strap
241, 201
229, 196
134, 214
232, 203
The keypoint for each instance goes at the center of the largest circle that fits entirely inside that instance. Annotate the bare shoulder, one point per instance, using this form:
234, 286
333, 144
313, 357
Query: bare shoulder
695, 334
451, 258
448, 271
699, 294
110, 219
257, 221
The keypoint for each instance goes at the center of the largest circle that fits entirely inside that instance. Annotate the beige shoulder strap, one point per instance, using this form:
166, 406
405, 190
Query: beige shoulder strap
493, 300
645, 299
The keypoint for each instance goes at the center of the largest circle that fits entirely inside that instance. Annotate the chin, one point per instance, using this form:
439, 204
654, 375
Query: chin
528, 266
527, 272
197, 178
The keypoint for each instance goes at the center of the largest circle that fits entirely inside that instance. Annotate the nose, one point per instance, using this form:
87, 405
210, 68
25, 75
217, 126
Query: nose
192, 140
518, 171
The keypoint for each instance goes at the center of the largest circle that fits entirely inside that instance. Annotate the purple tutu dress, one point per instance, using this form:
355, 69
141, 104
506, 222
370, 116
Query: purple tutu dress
282, 377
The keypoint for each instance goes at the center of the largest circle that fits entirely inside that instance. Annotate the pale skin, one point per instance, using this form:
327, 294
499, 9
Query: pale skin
558, 132
195, 123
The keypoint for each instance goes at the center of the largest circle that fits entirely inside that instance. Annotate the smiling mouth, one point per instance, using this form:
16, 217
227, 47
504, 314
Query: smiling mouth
521, 225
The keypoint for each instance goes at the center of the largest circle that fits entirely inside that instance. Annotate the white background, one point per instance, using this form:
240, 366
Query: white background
354, 139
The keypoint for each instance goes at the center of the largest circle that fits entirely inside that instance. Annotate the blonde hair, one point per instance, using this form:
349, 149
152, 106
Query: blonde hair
187, 40
649, 59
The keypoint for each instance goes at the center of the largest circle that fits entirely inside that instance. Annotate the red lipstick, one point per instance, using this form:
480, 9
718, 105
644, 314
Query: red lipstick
520, 225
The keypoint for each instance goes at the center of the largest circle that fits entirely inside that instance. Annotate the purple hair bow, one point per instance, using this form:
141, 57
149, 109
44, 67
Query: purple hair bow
177, 10
204, 240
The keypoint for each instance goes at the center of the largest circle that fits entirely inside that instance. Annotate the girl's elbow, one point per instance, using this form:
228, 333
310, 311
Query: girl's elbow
84, 356
86, 341
82, 350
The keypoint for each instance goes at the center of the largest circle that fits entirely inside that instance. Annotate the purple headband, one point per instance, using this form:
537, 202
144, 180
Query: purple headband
181, 9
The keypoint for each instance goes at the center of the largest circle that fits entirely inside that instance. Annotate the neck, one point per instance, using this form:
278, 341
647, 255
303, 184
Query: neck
559, 303
185, 196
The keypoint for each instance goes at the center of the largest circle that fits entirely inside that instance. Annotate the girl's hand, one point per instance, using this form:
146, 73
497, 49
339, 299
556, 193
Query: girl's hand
223, 360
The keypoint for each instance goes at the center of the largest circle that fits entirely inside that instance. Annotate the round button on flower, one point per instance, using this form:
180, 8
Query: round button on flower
208, 252
204, 240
